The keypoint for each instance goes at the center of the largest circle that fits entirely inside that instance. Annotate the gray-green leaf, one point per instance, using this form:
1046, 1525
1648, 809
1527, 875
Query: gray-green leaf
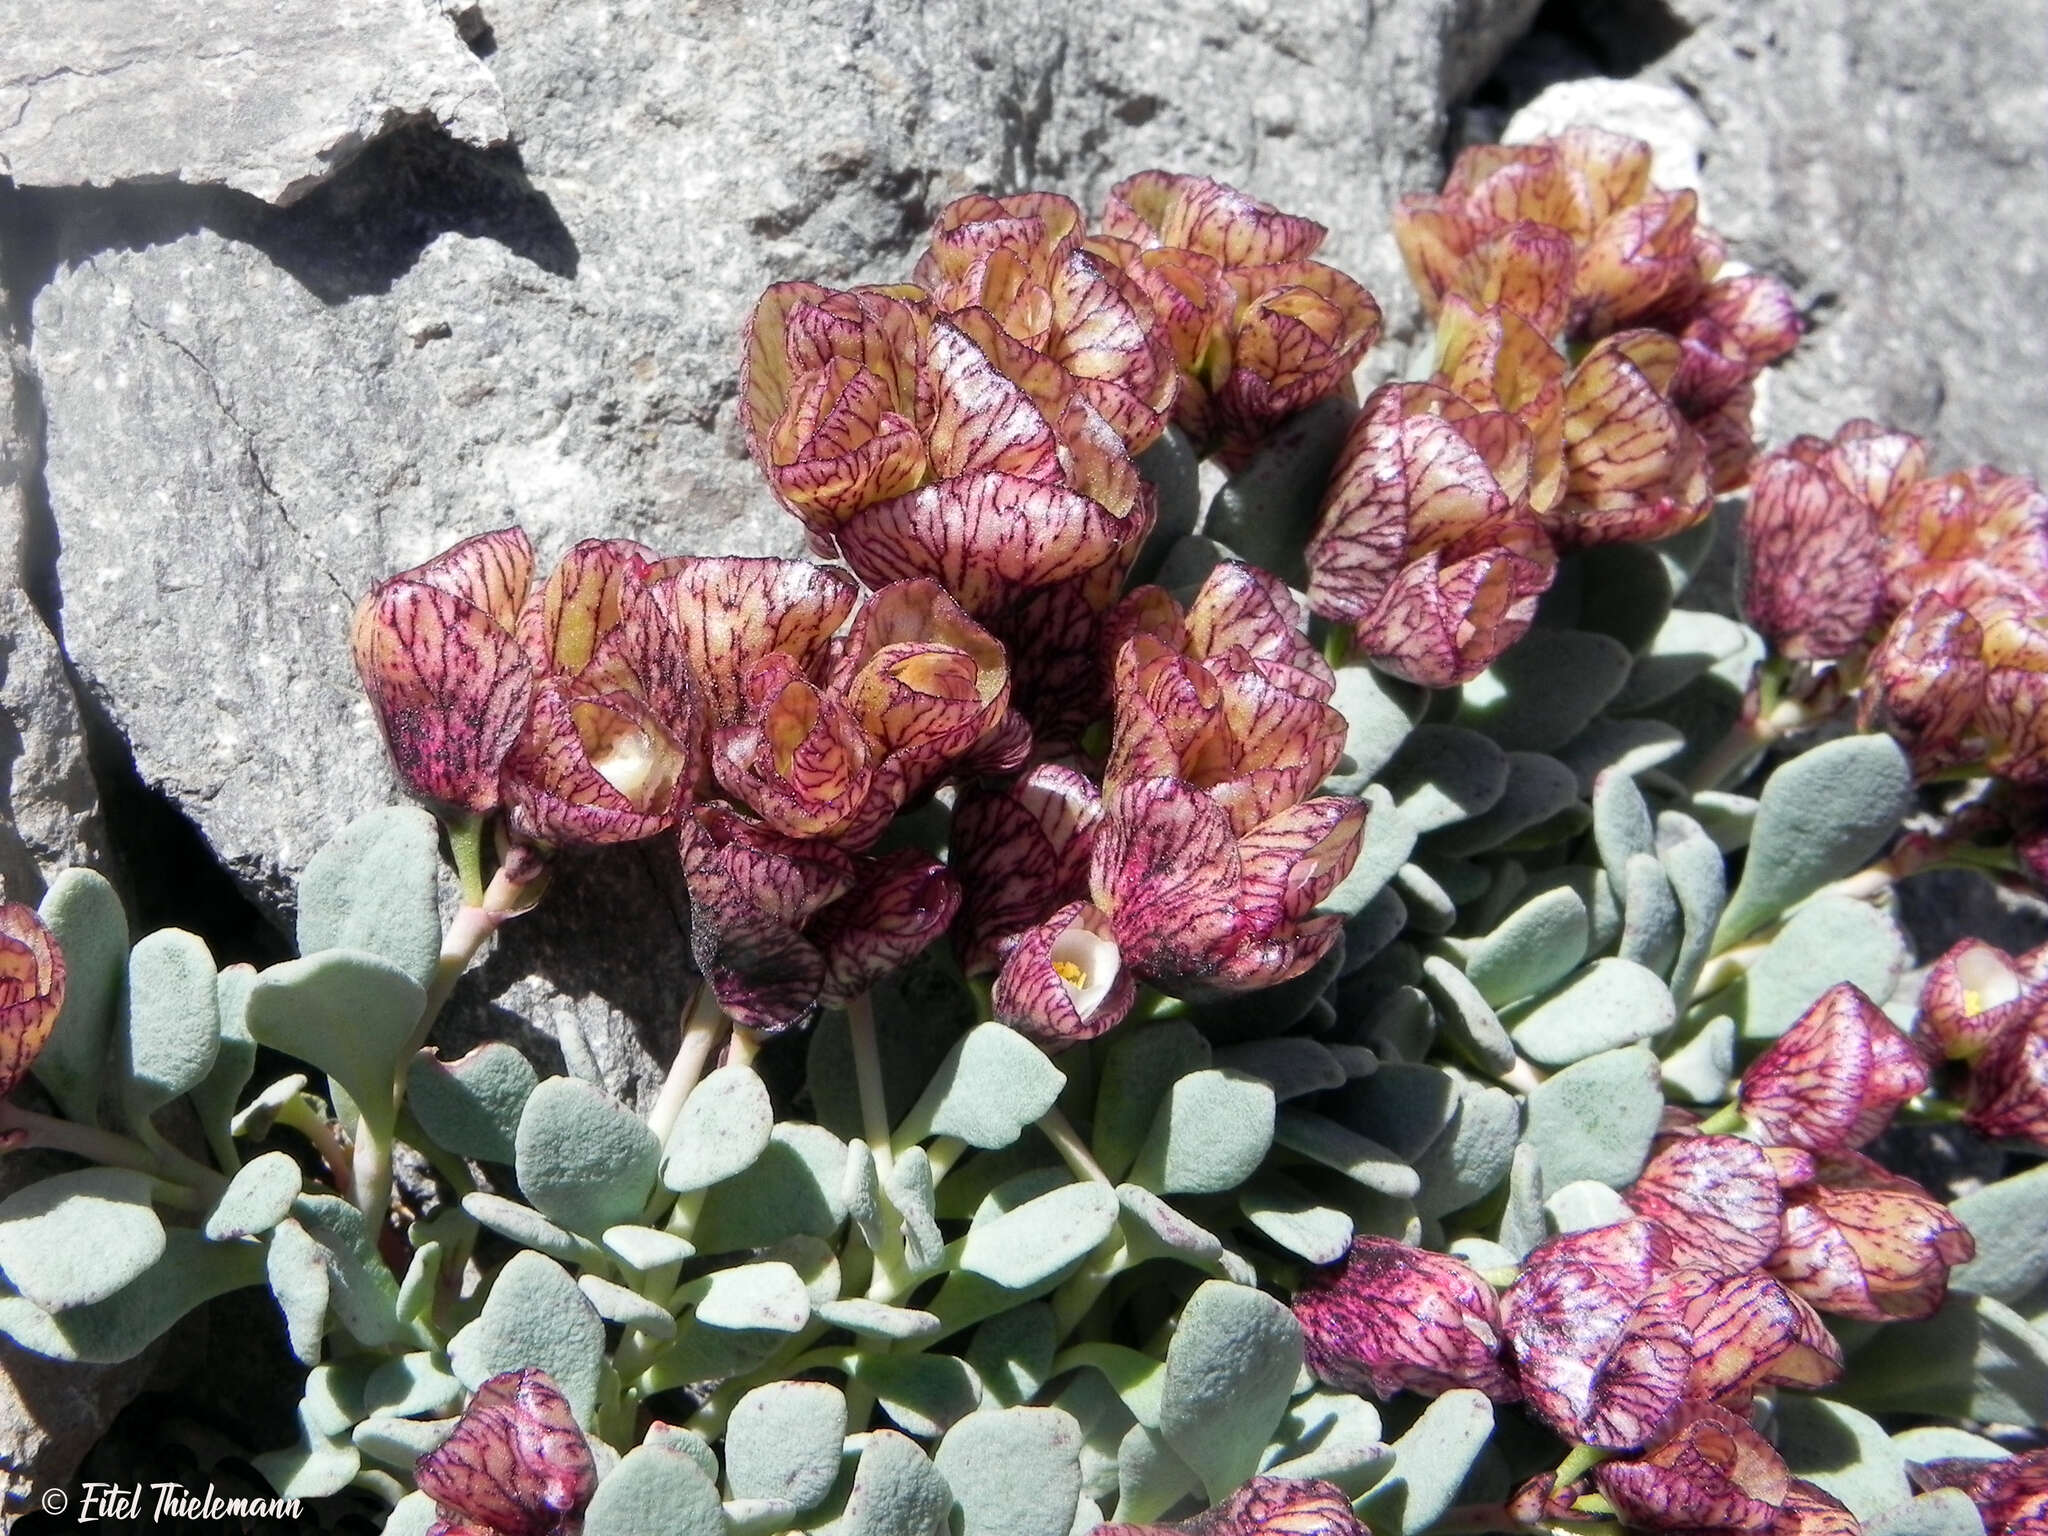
782, 1442
1209, 1135
990, 1086
1230, 1369
376, 886
584, 1161
78, 1237
1013, 1472
725, 1125
1596, 1118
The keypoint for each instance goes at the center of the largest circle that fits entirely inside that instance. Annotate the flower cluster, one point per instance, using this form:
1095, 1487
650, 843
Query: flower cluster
1932, 585
1593, 383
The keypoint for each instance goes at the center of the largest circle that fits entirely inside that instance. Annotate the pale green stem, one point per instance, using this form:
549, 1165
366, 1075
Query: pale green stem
1728, 1120
944, 1152
466, 842
867, 1074
1583, 1459
298, 1113
703, 1027
1061, 1133
22, 1128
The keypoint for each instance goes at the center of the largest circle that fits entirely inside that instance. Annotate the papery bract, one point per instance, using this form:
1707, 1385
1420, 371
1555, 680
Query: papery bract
1926, 684
1265, 1506
1813, 575
440, 661
1427, 545
1973, 994
1064, 981
2011, 1493
1196, 908
1587, 1366
516, 1464
1860, 1242
1495, 360
830, 397
1717, 1199
1021, 852
611, 748
1389, 1317
734, 612
1634, 467
1196, 213
752, 892
1977, 516
31, 991
1020, 260
1649, 257
1833, 1080
1744, 1331
2008, 1094
1712, 1473
1301, 328
901, 902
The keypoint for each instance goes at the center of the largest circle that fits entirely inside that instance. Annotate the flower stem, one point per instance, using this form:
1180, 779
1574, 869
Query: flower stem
1728, 1120
24, 1128
1061, 1133
466, 843
704, 1025
867, 1073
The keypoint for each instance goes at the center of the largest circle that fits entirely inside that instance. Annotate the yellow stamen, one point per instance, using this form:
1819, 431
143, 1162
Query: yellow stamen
1070, 973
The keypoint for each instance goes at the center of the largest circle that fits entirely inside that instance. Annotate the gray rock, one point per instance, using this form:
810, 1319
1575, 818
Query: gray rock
266, 98
1889, 161
254, 414
49, 810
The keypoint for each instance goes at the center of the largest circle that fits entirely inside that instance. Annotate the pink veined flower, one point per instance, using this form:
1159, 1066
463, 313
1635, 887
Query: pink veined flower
1021, 851
1860, 1242
1716, 1198
1926, 684
1975, 517
1634, 467
1020, 262
1713, 1472
1389, 1317
2008, 1093
1198, 909
1265, 1506
612, 747
439, 657
1832, 1082
780, 926
1064, 981
516, 1464
2011, 1494
1258, 330
1428, 546
1973, 994
31, 991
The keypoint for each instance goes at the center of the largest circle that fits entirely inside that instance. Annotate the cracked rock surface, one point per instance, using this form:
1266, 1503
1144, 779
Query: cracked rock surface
266, 98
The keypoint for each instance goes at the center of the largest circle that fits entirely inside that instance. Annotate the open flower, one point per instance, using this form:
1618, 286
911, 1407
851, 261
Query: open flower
31, 991
1064, 980
1978, 516
1495, 360
1020, 262
1258, 330
516, 1464
1860, 1242
1428, 546
1265, 1506
1973, 994
780, 925
1926, 684
1390, 1317
438, 653
1832, 1081
611, 748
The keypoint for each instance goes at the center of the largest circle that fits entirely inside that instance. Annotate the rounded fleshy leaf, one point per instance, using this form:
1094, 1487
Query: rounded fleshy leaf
445, 675
1832, 1081
1063, 981
516, 1464
31, 991
1391, 1317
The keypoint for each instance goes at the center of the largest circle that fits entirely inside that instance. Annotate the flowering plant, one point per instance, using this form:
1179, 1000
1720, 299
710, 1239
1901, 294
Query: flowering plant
1370, 1008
